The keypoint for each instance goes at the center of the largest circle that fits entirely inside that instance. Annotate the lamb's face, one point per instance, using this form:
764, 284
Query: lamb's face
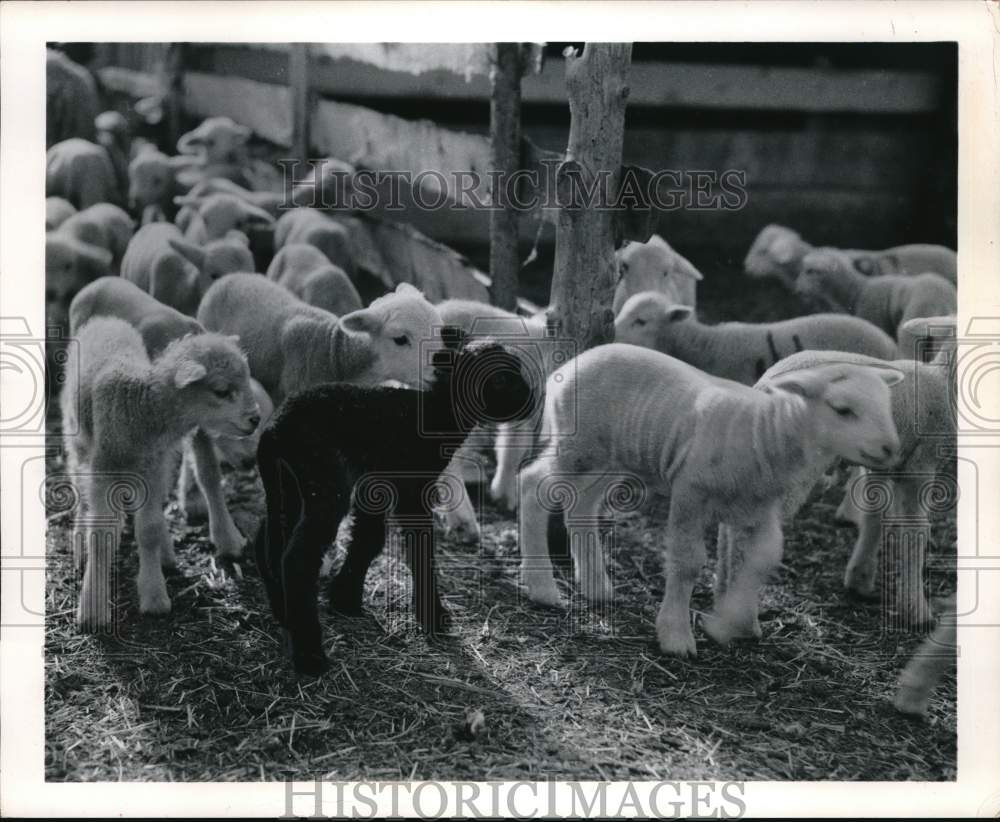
648, 319
489, 384
215, 379
403, 331
150, 180
241, 452
775, 252
227, 212
228, 256
824, 271
853, 413
69, 266
654, 266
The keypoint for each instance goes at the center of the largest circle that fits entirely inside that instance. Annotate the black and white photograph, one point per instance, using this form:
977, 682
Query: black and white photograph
607, 417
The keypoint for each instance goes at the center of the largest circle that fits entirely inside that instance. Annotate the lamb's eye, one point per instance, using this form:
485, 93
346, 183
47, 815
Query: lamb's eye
401, 340
844, 412
640, 323
222, 393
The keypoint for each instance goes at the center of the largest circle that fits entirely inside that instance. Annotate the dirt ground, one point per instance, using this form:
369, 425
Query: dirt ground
206, 695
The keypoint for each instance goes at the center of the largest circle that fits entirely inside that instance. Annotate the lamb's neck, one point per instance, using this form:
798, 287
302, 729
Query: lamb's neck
696, 344
782, 434
350, 353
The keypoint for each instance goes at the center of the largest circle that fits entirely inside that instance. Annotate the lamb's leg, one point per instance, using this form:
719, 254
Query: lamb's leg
511, 453
848, 511
299, 574
759, 550
190, 499
911, 602
586, 522
725, 547
460, 516
536, 567
222, 531
415, 526
925, 669
862, 567
365, 542
97, 534
683, 558
168, 559
152, 536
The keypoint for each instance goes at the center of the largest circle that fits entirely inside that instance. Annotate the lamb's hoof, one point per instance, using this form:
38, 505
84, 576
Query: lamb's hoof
92, 618
911, 701
461, 527
678, 643
154, 603
722, 631
227, 568
547, 598
503, 496
313, 663
861, 593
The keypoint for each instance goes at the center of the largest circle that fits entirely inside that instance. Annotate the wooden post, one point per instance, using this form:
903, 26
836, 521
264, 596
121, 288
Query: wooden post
505, 145
583, 280
298, 82
173, 67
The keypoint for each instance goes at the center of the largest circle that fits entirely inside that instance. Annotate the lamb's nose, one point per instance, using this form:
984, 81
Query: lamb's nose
254, 420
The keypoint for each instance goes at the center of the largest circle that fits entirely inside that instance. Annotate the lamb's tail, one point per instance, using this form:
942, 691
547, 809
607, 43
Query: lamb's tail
284, 508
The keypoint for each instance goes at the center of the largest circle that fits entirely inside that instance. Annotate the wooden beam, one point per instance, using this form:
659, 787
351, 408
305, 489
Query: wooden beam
583, 279
505, 159
298, 81
715, 86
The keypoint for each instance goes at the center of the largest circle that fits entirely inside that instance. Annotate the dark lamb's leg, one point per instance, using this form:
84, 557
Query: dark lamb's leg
365, 543
414, 525
300, 566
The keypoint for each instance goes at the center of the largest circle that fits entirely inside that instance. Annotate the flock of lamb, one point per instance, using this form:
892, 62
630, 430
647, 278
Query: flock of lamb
184, 348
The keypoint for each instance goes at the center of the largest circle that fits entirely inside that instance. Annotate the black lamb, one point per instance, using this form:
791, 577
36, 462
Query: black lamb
376, 452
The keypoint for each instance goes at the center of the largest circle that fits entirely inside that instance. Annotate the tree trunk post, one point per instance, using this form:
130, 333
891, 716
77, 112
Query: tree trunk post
583, 280
298, 79
505, 145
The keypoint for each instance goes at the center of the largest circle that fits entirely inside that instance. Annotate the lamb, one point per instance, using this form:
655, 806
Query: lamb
131, 415
309, 275
153, 184
159, 325
741, 351
654, 266
103, 225
80, 172
57, 211
212, 217
292, 345
335, 447
306, 225
270, 201
71, 101
715, 447
923, 413
828, 280
217, 141
178, 273
69, 266
778, 251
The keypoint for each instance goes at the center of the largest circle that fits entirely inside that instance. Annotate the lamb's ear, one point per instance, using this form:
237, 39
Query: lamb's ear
865, 265
890, 376
675, 313
656, 241
808, 382
242, 134
255, 214
181, 161
686, 269
187, 200
362, 321
190, 252
92, 257
189, 371
406, 288
782, 249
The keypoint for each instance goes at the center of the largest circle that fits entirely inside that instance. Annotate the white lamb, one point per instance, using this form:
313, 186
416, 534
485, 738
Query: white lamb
312, 227
778, 251
131, 416
69, 266
177, 272
103, 225
212, 217
81, 172
828, 281
715, 447
309, 275
741, 351
923, 413
291, 345
654, 266
57, 211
